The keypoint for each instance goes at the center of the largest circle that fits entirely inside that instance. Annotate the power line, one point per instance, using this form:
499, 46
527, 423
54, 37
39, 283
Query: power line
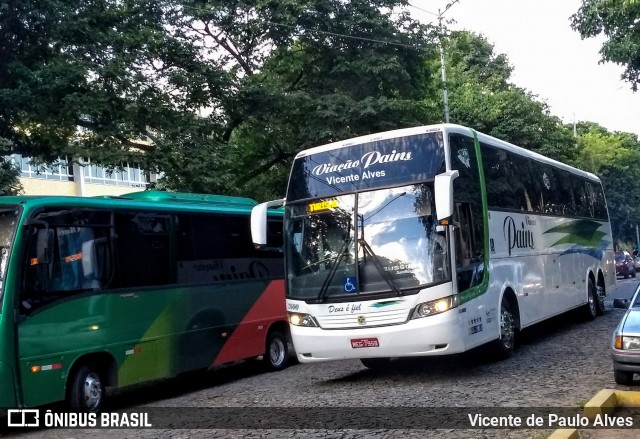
423, 10
318, 31
447, 7
392, 43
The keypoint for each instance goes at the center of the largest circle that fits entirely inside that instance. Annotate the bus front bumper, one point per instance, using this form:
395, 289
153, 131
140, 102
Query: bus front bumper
435, 335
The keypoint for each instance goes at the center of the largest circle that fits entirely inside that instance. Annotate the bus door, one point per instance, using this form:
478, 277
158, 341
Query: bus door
61, 317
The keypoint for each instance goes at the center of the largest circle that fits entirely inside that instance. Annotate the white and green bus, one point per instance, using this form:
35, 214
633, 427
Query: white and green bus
435, 240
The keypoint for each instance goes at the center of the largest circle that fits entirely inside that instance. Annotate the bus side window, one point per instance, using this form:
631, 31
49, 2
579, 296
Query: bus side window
143, 249
469, 264
62, 261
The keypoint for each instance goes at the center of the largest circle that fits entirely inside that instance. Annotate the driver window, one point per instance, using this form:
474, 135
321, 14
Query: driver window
469, 211
64, 260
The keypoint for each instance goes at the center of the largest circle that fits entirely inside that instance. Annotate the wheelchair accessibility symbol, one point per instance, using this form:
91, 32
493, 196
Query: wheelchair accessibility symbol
350, 284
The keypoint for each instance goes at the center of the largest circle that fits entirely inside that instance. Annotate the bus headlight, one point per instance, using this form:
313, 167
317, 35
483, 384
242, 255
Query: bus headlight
627, 343
435, 307
298, 319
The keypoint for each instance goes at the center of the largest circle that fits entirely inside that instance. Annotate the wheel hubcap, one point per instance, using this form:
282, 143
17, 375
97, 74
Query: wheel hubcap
276, 352
600, 296
592, 301
507, 328
92, 391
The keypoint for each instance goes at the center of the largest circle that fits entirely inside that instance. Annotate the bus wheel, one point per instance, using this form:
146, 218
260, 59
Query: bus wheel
277, 351
505, 345
590, 308
599, 300
87, 391
376, 363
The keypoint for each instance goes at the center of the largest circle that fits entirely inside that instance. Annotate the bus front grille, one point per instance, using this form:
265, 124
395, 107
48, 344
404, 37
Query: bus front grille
363, 320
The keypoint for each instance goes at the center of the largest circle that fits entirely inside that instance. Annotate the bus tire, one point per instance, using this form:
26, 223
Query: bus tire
600, 300
86, 394
375, 363
623, 377
276, 356
589, 309
504, 346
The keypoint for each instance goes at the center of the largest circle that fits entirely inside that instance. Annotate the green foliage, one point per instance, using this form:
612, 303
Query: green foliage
332, 74
615, 158
480, 96
9, 183
226, 92
273, 76
617, 21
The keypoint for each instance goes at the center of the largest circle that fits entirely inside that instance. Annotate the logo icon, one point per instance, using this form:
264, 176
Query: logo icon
350, 284
23, 418
362, 320
463, 156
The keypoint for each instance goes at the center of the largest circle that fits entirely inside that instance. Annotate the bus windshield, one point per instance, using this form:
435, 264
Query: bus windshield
375, 242
8, 223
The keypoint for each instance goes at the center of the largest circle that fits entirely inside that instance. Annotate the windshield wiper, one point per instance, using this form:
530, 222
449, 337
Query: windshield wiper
383, 273
344, 251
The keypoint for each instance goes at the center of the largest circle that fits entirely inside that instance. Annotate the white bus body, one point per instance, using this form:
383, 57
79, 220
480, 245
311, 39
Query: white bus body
530, 239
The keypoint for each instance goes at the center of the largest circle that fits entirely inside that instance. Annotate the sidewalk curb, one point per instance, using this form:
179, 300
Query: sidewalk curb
604, 402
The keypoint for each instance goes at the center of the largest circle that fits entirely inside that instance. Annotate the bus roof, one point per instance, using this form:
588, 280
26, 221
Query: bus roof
142, 199
445, 127
377, 136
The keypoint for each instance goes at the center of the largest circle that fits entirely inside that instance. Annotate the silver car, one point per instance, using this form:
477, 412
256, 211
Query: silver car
625, 346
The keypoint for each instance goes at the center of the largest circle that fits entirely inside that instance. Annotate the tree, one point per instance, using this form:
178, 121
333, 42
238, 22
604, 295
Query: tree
312, 72
617, 21
225, 89
481, 96
615, 158
9, 183
89, 64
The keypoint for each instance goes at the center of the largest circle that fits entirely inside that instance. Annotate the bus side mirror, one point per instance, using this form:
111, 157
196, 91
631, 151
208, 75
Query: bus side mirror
259, 221
44, 245
443, 187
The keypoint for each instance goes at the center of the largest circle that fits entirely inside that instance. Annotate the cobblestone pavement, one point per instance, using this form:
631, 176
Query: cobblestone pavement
561, 363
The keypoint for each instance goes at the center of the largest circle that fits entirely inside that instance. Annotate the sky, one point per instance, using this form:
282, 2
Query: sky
549, 58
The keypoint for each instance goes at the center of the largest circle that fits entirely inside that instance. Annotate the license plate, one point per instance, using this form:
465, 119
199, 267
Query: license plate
357, 343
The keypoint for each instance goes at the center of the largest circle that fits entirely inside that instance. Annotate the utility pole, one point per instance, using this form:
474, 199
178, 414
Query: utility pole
444, 71
445, 94
443, 67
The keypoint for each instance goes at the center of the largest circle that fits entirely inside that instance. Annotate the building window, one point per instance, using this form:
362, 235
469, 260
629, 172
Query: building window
61, 169
130, 174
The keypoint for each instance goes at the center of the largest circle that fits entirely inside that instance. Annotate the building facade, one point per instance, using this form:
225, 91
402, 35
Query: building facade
65, 177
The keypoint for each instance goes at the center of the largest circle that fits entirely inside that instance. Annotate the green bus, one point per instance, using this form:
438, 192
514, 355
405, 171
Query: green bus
97, 294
